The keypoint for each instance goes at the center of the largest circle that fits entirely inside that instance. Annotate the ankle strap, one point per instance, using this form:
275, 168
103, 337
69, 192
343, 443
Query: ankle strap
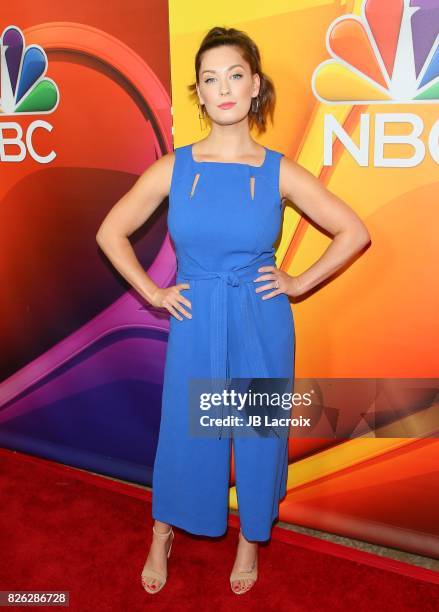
161, 535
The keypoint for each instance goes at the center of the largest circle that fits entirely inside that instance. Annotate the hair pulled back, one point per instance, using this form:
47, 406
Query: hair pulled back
218, 36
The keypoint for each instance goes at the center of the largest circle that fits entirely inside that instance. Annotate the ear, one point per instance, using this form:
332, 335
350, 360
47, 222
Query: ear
200, 98
256, 84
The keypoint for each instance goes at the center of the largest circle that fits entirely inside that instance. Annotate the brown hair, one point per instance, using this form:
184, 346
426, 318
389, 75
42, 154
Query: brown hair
229, 36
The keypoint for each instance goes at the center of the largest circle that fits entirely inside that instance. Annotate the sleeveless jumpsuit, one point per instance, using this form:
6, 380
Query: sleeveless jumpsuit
222, 231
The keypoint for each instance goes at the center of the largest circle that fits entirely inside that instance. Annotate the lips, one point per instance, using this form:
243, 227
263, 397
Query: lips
227, 105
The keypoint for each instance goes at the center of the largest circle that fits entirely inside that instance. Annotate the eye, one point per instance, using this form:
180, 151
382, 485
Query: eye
208, 79
238, 74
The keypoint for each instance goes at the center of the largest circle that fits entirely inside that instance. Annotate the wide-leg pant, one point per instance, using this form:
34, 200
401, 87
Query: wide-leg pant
191, 475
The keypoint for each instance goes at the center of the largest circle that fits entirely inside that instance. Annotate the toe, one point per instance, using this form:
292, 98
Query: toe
152, 584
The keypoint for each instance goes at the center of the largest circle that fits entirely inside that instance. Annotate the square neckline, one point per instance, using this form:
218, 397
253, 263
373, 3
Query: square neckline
228, 163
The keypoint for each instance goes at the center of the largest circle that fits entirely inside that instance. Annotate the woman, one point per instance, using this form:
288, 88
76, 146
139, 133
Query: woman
230, 309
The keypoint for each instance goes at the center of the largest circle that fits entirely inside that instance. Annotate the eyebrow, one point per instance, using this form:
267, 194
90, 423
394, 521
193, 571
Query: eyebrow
234, 66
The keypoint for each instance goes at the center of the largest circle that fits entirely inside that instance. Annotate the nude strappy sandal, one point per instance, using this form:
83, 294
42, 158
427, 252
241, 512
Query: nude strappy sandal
148, 572
250, 574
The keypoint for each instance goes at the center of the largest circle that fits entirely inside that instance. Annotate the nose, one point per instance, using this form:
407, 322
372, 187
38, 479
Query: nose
225, 89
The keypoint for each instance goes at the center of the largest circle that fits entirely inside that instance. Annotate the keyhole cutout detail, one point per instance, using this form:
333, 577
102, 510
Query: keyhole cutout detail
197, 176
252, 187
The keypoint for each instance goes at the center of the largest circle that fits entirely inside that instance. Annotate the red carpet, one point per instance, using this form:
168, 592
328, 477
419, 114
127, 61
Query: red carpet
63, 529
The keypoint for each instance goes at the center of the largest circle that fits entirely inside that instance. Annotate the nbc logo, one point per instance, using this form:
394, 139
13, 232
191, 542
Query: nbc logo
24, 90
388, 55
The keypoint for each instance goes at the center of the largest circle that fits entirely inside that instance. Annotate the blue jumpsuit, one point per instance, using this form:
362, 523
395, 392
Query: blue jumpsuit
222, 231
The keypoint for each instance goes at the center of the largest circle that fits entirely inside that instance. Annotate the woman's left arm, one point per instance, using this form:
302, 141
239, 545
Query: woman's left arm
350, 235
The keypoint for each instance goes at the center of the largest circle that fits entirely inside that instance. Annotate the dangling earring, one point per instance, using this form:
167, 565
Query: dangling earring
201, 116
255, 110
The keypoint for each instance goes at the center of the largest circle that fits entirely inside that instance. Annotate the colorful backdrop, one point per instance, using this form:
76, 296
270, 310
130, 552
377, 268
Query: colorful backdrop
82, 355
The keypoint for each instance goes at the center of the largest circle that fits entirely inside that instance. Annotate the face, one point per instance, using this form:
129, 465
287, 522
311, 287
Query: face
225, 77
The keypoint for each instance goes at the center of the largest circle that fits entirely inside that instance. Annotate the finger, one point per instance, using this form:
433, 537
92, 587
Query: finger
172, 311
265, 287
266, 268
183, 286
180, 308
263, 277
267, 296
184, 300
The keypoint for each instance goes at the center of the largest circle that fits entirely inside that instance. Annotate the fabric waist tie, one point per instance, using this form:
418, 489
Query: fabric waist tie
237, 277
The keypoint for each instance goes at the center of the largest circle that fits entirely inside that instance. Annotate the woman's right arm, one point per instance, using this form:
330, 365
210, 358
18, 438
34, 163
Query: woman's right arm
124, 218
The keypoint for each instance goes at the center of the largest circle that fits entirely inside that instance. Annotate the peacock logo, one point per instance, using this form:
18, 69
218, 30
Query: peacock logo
24, 88
389, 54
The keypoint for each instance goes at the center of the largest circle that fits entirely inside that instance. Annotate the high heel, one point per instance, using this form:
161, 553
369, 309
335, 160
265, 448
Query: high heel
245, 575
148, 572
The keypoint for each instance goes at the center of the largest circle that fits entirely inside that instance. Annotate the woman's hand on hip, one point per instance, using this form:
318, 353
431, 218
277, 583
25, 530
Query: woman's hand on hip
171, 299
279, 281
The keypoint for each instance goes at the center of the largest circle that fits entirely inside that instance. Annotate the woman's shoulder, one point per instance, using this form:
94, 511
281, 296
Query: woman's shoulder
275, 152
273, 159
182, 149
